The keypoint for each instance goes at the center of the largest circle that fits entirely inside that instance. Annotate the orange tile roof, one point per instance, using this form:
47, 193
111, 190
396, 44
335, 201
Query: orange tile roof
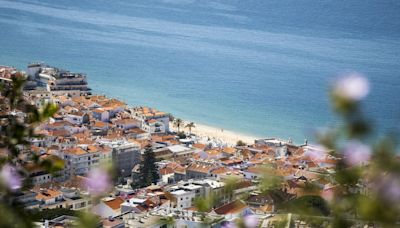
127, 121
200, 146
114, 204
199, 168
99, 124
229, 150
166, 170
231, 208
220, 170
75, 151
48, 194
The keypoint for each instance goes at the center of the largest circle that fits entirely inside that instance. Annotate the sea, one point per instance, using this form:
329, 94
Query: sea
258, 67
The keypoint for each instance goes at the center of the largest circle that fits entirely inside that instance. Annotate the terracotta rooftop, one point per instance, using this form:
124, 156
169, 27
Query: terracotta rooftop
220, 170
199, 168
166, 170
75, 151
199, 146
114, 204
126, 121
231, 208
229, 150
48, 194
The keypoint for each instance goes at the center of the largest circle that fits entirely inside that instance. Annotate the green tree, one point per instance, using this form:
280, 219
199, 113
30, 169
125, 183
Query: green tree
240, 143
178, 123
190, 126
148, 168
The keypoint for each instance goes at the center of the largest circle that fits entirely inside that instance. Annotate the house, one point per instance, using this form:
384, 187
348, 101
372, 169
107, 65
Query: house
77, 118
99, 128
221, 172
180, 152
80, 160
228, 152
74, 201
101, 114
210, 154
108, 207
50, 199
137, 133
182, 198
125, 155
198, 170
254, 172
38, 174
233, 210
27, 199
113, 107
258, 200
154, 126
126, 124
156, 121
166, 175
278, 145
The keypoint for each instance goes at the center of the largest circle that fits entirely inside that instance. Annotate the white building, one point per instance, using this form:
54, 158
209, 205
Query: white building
80, 160
184, 198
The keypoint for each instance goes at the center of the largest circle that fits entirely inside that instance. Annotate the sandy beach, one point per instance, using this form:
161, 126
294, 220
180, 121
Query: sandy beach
226, 136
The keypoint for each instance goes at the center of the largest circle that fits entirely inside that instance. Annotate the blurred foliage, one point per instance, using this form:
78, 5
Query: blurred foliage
307, 205
19, 119
48, 214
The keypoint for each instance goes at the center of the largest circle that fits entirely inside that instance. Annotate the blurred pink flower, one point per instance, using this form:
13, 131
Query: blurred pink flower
97, 182
10, 177
356, 153
353, 86
328, 193
250, 221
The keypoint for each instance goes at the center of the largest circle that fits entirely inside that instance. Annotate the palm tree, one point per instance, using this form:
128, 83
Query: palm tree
178, 123
190, 126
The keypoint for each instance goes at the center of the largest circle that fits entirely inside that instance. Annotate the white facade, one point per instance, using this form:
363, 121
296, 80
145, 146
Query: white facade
184, 198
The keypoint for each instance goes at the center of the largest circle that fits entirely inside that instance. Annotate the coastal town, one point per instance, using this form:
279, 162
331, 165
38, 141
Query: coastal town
91, 131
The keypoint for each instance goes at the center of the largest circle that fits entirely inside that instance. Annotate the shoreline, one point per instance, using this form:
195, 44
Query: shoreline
227, 136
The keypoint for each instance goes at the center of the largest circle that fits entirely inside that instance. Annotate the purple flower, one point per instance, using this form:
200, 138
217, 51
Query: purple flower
356, 153
229, 225
388, 187
10, 177
353, 86
97, 181
251, 221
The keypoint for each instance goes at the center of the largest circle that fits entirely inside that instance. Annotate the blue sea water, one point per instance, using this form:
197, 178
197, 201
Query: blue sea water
261, 67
